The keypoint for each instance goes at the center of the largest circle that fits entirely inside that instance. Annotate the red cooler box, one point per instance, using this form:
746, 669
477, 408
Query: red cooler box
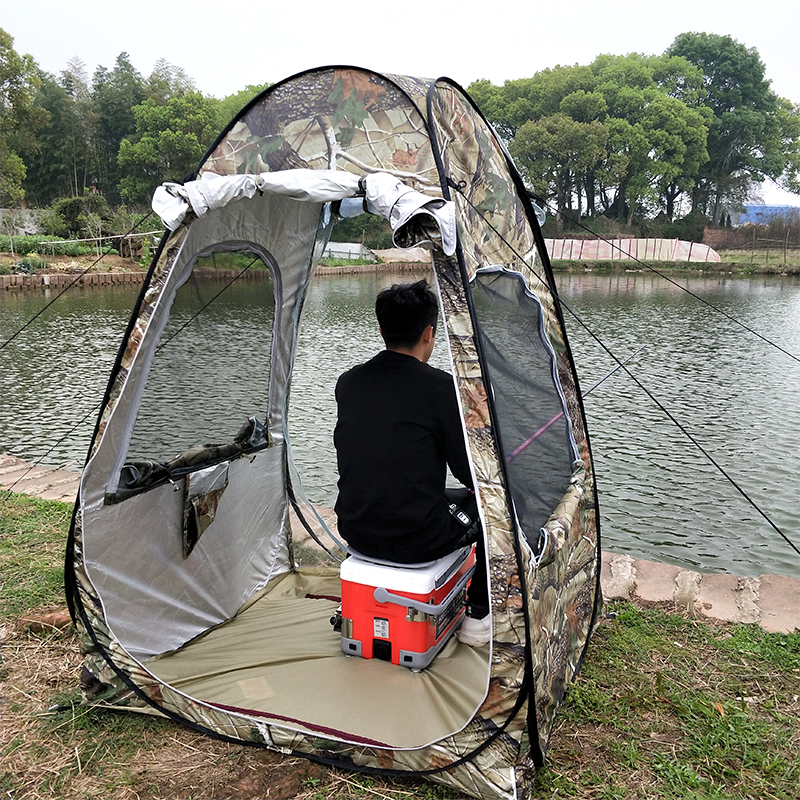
403, 613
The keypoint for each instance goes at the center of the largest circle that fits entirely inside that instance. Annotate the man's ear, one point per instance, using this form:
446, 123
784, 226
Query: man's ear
428, 334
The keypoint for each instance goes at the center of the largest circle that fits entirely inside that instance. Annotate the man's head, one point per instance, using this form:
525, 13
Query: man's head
404, 313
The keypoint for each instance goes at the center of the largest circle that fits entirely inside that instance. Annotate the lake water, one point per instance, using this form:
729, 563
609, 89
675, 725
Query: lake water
660, 497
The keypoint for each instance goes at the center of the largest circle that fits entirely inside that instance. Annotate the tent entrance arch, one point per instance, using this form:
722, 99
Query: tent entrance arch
195, 392
157, 599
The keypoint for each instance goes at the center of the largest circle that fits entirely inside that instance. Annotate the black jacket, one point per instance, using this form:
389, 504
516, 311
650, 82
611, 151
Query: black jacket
398, 427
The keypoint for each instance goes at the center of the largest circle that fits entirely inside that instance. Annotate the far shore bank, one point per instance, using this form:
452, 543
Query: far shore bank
129, 272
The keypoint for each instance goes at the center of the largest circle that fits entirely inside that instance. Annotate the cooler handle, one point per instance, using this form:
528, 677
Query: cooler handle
382, 595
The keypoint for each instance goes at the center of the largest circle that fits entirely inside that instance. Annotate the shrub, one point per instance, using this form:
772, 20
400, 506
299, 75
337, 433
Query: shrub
52, 223
76, 210
30, 263
122, 221
147, 254
690, 228
45, 245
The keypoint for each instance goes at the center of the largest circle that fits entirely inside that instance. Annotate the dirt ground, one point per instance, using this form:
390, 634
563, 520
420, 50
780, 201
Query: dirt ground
53, 749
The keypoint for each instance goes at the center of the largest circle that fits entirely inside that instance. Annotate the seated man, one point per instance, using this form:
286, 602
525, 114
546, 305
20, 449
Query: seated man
398, 429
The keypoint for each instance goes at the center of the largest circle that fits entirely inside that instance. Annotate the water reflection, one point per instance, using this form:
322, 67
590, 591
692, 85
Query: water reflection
660, 498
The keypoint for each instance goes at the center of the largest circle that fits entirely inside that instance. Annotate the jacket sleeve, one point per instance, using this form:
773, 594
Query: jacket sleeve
455, 447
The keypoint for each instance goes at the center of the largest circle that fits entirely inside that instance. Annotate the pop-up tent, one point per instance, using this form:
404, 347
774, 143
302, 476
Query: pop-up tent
183, 578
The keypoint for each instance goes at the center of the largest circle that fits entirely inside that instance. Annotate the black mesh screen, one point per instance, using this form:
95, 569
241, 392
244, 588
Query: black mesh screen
532, 427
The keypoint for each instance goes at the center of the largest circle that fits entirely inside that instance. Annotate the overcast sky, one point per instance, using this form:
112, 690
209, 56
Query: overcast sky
226, 47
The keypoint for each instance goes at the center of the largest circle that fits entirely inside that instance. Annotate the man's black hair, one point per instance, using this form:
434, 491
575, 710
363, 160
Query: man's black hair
404, 311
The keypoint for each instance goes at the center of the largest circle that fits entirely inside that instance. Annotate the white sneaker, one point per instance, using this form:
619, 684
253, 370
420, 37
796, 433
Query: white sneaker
475, 632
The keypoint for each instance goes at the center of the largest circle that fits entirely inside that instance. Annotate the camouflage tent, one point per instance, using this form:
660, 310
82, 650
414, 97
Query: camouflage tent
182, 575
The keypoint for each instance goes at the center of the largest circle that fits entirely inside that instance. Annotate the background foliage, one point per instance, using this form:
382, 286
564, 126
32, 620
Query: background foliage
632, 136
664, 143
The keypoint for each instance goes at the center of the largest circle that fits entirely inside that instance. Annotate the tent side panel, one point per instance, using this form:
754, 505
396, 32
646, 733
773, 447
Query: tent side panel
496, 228
187, 595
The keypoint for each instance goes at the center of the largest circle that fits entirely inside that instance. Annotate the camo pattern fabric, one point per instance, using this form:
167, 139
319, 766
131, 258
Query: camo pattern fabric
345, 119
360, 122
494, 230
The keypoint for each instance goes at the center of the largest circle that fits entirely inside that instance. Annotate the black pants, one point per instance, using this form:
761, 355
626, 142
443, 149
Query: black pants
478, 591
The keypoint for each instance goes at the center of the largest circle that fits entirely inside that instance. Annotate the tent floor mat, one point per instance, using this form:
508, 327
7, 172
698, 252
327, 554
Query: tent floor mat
280, 660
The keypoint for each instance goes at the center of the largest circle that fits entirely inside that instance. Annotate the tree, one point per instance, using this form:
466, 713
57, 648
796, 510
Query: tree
80, 124
677, 137
640, 143
746, 141
555, 152
20, 118
167, 81
114, 96
169, 142
658, 138
788, 132
50, 165
509, 107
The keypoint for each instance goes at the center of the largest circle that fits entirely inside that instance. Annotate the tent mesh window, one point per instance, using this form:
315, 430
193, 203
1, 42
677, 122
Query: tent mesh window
533, 427
226, 307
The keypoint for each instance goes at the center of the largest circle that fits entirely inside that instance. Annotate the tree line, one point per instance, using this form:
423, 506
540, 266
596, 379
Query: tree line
627, 138
117, 135
630, 136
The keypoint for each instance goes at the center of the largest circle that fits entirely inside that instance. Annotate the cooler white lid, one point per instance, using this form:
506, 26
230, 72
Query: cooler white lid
415, 578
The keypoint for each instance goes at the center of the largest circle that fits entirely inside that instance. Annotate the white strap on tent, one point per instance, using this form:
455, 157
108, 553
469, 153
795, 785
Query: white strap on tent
400, 204
170, 204
314, 185
386, 195
216, 191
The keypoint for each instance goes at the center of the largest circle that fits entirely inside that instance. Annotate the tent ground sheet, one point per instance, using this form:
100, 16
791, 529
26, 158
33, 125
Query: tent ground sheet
279, 659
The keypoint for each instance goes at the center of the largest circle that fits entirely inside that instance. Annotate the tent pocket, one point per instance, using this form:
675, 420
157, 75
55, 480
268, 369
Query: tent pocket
203, 492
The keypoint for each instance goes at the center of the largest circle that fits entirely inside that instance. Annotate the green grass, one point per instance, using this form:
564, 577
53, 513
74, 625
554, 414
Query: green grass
666, 707
33, 537
23, 245
671, 707
762, 260
346, 262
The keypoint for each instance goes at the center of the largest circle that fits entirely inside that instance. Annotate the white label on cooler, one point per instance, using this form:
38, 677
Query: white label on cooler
381, 628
